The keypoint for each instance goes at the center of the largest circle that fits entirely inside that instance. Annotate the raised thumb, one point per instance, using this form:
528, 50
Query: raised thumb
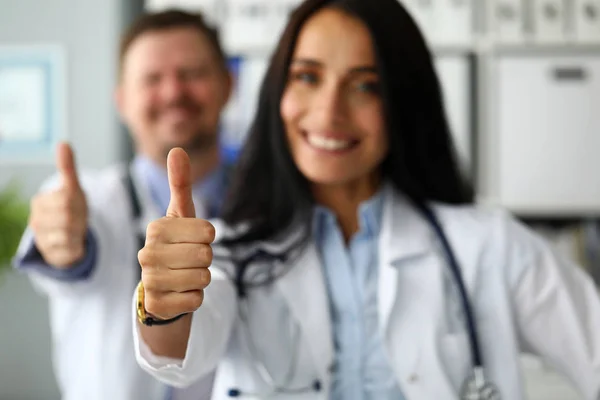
180, 184
65, 163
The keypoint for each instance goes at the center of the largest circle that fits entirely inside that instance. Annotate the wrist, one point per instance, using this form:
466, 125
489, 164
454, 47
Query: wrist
145, 317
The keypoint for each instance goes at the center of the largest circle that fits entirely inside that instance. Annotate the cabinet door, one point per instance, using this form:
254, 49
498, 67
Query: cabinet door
548, 138
246, 26
455, 77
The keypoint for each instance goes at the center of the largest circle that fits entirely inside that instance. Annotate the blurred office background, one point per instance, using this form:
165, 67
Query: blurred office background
521, 80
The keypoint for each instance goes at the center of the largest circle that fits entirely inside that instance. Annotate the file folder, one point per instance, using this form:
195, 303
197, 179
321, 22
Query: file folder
549, 20
587, 20
508, 20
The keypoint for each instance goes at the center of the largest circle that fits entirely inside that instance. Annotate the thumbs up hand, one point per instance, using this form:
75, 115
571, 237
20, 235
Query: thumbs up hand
177, 253
59, 218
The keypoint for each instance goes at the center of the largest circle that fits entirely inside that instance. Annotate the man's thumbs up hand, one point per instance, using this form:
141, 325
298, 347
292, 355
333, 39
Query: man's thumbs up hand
177, 253
59, 218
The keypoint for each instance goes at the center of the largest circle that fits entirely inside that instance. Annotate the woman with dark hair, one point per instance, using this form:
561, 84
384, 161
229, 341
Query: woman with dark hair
350, 261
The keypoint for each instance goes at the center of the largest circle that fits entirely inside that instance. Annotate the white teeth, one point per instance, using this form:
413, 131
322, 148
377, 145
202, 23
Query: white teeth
326, 143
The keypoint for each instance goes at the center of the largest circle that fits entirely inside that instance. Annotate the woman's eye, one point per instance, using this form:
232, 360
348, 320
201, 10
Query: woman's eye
306, 77
368, 87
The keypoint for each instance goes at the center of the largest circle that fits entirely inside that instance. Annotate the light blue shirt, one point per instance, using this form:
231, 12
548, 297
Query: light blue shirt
362, 370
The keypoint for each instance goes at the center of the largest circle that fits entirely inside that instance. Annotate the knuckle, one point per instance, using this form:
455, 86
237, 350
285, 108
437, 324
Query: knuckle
210, 231
152, 303
206, 254
194, 300
154, 231
205, 277
146, 257
151, 281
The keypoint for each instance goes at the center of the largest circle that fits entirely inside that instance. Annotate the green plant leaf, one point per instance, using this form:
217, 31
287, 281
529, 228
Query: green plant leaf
14, 213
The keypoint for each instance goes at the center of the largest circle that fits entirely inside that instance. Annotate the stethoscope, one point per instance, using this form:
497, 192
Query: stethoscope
475, 387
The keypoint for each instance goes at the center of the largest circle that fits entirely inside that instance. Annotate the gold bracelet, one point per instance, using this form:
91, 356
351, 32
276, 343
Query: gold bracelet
143, 316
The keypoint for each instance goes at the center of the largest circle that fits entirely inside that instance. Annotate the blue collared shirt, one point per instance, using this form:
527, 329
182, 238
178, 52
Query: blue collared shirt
210, 192
362, 370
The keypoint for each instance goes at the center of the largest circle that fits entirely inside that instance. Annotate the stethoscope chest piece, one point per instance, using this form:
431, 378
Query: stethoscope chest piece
477, 388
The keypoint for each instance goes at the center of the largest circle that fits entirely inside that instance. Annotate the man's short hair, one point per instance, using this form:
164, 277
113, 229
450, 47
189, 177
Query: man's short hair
171, 19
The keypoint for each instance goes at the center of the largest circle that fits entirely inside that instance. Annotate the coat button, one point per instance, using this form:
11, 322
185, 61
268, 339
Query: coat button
413, 378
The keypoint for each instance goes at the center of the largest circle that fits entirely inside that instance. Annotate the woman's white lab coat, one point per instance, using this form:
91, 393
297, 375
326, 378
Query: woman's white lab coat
524, 297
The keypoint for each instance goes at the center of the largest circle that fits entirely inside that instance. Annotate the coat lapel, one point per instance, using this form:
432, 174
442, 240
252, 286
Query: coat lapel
304, 289
411, 298
405, 235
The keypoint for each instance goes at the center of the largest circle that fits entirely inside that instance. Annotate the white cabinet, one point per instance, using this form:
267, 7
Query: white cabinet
546, 148
454, 72
444, 22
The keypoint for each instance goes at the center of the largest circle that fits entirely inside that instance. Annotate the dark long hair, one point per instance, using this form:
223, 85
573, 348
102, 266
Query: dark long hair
269, 192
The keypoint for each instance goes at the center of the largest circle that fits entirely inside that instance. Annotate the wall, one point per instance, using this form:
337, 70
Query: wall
89, 32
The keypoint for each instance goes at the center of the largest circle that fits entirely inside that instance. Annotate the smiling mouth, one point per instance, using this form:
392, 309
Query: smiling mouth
329, 144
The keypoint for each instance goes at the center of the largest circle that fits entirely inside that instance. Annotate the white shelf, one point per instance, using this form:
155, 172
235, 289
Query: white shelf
477, 110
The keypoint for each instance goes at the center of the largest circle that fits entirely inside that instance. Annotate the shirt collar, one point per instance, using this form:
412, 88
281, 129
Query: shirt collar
369, 217
209, 190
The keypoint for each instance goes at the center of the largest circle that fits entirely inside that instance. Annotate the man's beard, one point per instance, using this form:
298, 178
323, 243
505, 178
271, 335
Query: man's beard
200, 143
202, 140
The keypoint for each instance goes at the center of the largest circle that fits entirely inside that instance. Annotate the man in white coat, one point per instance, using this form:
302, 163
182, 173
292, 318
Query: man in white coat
86, 229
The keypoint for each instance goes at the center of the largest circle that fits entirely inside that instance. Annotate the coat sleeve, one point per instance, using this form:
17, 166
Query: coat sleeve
211, 328
557, 308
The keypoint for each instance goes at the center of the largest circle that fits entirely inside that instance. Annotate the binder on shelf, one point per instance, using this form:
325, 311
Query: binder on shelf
549, 21
586, 23
454, 22
245, 26
509, 21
